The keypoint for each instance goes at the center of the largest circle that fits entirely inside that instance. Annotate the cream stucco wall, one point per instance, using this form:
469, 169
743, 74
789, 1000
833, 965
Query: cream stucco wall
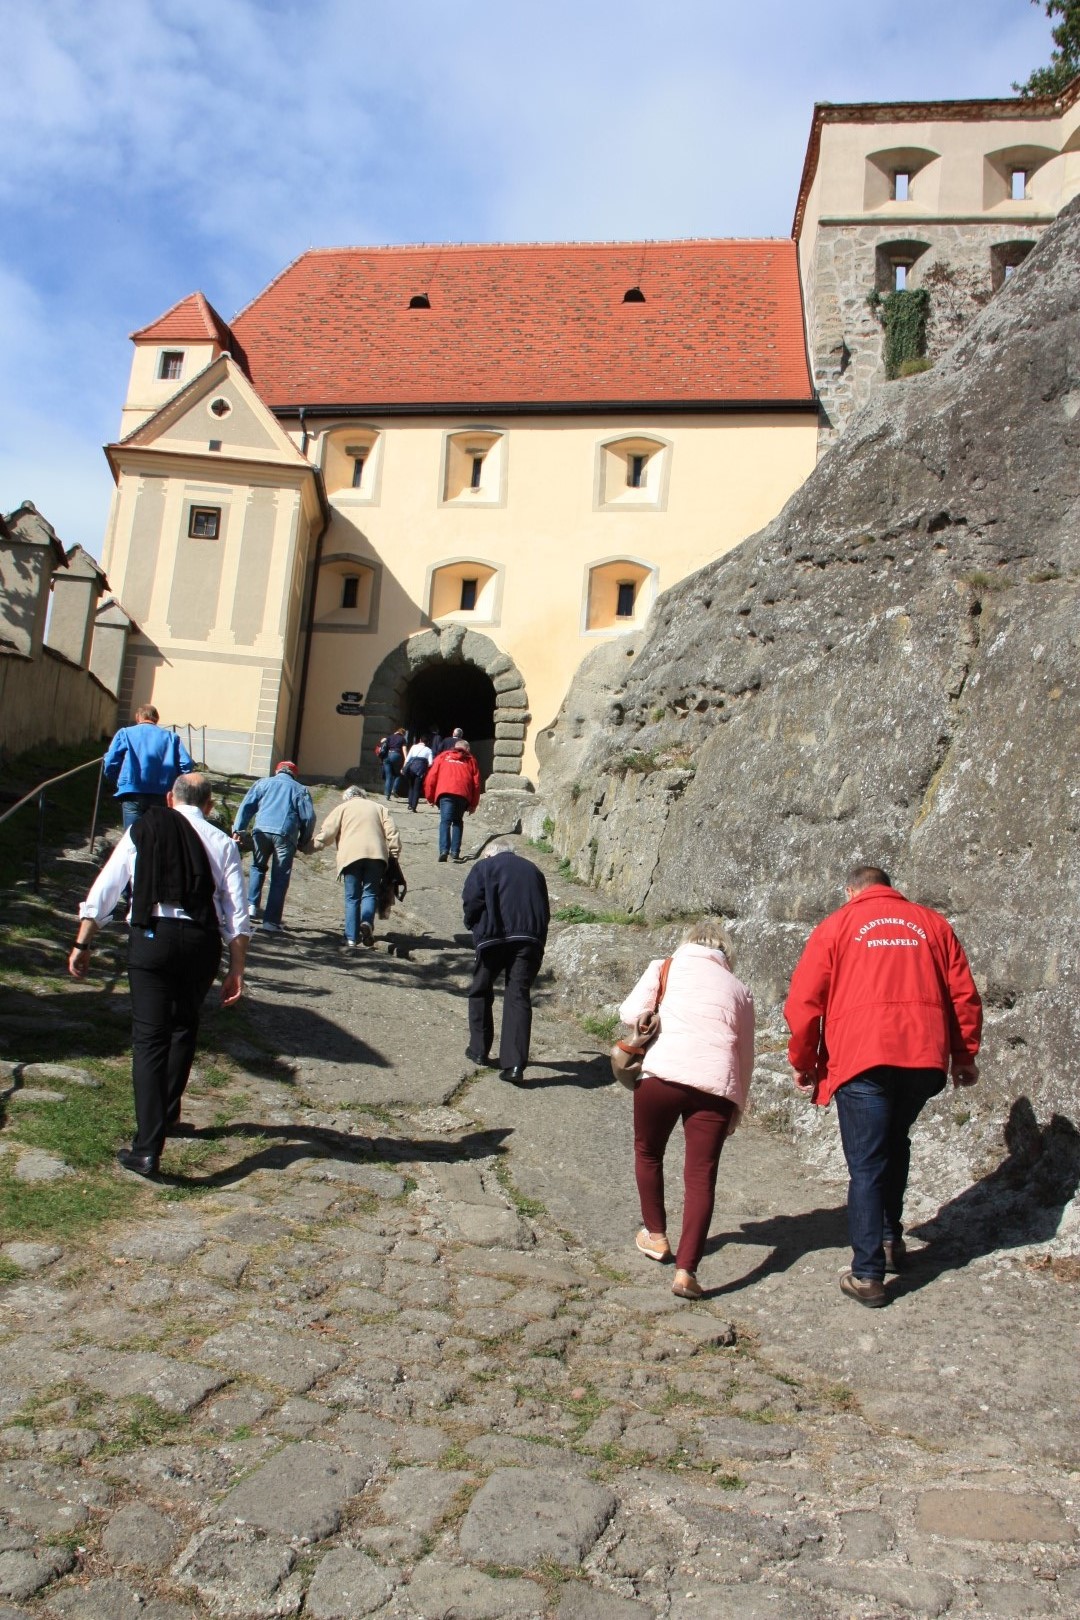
540, 526
147, 392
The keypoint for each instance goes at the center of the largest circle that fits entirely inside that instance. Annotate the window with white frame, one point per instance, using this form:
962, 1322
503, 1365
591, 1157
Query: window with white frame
632, 470
618, 593
171, 365
474, 467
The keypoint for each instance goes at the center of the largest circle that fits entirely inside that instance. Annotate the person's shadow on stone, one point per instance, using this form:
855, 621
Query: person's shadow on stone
788, 1238
1018, 1203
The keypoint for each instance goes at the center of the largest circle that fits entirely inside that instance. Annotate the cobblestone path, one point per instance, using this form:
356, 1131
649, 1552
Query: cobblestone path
395, 1355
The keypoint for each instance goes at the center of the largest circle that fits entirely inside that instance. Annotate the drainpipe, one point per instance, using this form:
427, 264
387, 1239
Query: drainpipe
312, 592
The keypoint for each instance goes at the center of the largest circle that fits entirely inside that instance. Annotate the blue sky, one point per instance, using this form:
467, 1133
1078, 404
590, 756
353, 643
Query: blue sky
152, 147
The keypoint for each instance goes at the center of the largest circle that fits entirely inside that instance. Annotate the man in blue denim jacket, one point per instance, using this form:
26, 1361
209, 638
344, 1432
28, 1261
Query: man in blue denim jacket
144, 761
284, 817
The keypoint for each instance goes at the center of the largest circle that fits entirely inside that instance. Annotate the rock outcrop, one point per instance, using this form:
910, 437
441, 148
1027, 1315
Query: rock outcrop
888, 672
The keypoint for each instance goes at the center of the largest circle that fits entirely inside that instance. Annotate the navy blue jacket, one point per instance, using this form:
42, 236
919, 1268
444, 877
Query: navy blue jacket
505, 900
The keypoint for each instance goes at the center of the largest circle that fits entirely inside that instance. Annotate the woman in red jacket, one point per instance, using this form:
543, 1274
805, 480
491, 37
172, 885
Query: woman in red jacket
453, 783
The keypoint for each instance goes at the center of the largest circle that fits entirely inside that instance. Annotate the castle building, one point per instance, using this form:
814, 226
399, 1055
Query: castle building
417, 485
945, 197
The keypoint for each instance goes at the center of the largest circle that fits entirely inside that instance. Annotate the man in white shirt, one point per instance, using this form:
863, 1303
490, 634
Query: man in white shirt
187, 883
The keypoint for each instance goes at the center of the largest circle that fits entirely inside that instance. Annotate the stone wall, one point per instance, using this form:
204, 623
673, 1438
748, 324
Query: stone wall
49, 700
846, 338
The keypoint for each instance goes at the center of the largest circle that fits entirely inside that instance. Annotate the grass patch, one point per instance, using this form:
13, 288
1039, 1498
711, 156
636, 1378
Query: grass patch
87, 1127
61, 1209
602, 1029
729, 1482
582, 914
146, 1424
531, 1208
9, 1271
987, 582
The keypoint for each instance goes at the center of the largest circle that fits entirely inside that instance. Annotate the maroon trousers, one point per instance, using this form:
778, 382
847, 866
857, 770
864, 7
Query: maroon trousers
658, 1106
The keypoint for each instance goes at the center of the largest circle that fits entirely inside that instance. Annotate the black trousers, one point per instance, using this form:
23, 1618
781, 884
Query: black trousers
171, 966
519, 964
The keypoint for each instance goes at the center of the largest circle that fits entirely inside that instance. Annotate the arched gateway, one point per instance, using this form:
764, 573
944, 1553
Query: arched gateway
451, 676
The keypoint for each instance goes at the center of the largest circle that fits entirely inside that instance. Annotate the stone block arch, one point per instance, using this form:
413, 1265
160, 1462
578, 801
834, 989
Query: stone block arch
453, 645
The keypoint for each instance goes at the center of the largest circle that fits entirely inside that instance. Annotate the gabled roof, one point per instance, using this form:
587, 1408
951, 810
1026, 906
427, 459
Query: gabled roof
222, 370
193, 320
27, 527
520, 325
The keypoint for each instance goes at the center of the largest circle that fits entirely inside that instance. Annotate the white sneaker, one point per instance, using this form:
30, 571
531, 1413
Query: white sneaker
272, 928
253, 912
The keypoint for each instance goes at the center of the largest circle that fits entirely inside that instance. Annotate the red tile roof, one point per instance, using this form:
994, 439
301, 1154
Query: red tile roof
193, 320
531, 324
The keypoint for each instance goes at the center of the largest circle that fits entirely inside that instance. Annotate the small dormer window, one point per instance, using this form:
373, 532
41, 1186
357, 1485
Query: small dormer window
420, 301
633, 295
901, 185
171, 365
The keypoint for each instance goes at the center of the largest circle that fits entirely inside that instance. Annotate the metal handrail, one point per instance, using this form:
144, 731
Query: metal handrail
39, 793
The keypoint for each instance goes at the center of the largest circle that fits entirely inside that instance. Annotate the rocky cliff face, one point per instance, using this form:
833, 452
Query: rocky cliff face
888, 672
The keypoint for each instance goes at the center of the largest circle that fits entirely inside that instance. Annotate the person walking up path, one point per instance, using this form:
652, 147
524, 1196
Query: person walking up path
187, 896
505, 901
881, 1002
366, 838
284, 819
144, 761
453, 783
417, 764
698, 1069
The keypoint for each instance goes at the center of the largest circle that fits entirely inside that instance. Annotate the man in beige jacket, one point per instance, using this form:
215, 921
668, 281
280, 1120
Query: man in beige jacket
366, 838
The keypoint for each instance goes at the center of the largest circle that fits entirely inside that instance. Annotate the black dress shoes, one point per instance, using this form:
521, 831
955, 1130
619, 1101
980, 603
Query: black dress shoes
481, 1062
516, 1075
140, 1164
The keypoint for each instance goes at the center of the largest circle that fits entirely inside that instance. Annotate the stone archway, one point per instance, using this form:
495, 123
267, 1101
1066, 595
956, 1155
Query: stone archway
388, 698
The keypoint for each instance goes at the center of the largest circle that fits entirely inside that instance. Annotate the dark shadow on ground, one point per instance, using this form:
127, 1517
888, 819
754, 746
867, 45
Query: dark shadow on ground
1018, 1203
789, 1237
286, 1144
587, 1074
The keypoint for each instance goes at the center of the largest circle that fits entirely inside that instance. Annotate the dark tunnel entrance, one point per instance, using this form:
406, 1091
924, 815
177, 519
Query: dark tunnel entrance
445, 695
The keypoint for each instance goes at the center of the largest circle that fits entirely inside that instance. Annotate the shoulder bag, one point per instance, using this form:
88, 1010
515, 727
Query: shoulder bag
628, 1057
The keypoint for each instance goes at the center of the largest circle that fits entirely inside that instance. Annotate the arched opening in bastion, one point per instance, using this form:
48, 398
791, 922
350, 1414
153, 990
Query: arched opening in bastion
447, 695
451, 676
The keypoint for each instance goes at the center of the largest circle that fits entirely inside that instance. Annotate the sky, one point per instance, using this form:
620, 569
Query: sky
149, 148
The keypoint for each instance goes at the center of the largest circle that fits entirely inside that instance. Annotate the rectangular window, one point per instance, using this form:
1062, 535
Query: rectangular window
624, 607
350, 590
468, 595
357, 472
172, 364
1018, 185
205, 522
900, 277
635, 471
901, 186
477, 471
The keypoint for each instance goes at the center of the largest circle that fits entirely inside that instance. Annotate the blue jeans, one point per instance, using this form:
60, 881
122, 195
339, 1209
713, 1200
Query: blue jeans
452, 808
362, 880
391, 773
876, 1111
274, 851
133, 805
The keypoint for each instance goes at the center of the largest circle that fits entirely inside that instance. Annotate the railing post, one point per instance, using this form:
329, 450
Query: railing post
97, 807
39, 842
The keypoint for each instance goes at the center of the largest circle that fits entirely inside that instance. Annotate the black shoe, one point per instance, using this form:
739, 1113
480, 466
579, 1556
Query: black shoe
895, 1257
140, 1164
481, 1062
444, 857
515, 1076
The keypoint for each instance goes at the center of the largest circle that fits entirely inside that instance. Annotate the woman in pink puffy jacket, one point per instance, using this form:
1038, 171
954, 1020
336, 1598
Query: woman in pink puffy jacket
698, 1070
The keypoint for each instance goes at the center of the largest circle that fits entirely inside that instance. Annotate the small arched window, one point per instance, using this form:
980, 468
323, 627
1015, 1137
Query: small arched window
619, 592
633, 471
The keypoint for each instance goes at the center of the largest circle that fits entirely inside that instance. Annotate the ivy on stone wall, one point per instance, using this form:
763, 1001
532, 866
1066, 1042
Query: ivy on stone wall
904, 316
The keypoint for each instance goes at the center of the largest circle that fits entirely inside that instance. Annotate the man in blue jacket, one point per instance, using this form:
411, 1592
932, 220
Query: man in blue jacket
505, 900
144, 761
284, 817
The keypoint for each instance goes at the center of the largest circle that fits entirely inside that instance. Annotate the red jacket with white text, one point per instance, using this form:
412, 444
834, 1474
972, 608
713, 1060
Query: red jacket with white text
453, 772
881, 981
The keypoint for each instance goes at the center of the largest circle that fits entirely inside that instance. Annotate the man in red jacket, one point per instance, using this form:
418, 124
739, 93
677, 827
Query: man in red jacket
453, 783
881, 1002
